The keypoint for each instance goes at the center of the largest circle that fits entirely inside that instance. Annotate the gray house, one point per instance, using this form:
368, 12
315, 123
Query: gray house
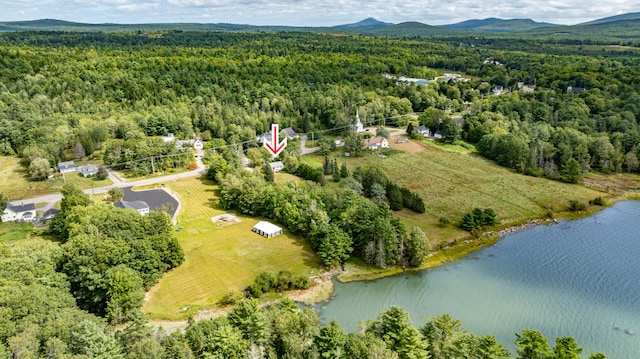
66, 167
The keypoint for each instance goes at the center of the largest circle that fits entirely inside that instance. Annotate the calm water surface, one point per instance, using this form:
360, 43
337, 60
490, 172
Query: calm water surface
577, 278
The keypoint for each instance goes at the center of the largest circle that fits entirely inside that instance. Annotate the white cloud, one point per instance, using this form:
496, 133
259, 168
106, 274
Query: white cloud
310, 12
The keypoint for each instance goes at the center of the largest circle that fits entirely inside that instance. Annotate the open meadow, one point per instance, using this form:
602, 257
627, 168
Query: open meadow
219, 257
453, 181
15, 184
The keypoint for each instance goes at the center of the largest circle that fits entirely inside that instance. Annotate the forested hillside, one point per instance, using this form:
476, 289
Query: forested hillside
109, 92
551, 109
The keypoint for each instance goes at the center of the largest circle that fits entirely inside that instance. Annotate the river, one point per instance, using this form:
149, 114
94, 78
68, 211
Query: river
576, 278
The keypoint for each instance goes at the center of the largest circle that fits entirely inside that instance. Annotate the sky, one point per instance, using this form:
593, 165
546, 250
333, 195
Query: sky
310, 12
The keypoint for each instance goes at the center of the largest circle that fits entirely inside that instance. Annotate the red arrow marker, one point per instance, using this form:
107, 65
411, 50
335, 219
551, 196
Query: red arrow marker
274, 146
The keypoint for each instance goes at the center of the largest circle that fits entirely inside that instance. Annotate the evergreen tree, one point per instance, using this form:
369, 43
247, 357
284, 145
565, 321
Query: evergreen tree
268, 173
571, 172
335, 171
395, 197
344, 171
327, 166
330, 340
531, 344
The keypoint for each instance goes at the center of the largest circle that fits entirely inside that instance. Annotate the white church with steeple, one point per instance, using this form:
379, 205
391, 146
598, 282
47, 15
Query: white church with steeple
359, 127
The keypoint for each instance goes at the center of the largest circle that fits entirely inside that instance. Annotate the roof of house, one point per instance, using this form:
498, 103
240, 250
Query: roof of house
48, 214
422, 128
88, 168
267, 227
17, 208
290, 132
276, 164
375, 140
155, 198
67, 164
137, 205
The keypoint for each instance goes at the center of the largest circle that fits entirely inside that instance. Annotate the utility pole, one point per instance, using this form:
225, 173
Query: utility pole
153, 168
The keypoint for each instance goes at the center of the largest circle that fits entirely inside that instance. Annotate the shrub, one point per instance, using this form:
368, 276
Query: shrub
598, 201
576, 206
230, 298
444, 221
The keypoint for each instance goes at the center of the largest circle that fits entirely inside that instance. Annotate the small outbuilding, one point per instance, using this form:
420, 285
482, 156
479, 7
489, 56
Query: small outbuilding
267, 229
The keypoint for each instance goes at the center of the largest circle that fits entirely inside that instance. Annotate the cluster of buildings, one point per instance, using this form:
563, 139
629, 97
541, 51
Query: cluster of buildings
84, 170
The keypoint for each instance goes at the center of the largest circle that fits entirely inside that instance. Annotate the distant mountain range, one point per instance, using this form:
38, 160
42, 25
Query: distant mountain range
499, 25
619, 26
623, 17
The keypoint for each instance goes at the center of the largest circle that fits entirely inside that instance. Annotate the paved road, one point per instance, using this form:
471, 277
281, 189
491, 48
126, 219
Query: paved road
304, 150
119, 183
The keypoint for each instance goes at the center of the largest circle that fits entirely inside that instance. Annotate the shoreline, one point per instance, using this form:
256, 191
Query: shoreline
323, 287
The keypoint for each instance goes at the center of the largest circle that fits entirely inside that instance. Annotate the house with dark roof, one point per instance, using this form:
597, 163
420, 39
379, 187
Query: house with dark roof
139, 206
66, 167
49, 214
376, 143
576, 90
290, 133
19, 213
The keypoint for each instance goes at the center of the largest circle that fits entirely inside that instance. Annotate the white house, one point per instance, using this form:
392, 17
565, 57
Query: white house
66, 167
196, 144
376, 143
267, 229
19, 213
168, 138
87, 170
140, 206
276, 166
437, 135
423, 130
498, 90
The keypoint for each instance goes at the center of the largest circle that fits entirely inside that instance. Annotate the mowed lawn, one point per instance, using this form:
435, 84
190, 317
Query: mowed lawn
15, 184
453, 182
219, 259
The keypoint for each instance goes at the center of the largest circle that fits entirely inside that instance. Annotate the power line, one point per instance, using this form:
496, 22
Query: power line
150, 158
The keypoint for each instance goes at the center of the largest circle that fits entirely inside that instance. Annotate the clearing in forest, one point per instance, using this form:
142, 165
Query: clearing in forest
453, 182
219, 259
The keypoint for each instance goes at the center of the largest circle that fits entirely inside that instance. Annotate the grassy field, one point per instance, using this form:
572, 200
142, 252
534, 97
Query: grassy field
452, 181
16, 235
15, 184
219, 259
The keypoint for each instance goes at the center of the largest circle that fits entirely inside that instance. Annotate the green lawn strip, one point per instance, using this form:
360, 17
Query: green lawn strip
15, 183
219, 260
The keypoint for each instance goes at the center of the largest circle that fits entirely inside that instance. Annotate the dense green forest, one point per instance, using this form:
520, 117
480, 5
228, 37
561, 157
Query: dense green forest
114, 95
110, 92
